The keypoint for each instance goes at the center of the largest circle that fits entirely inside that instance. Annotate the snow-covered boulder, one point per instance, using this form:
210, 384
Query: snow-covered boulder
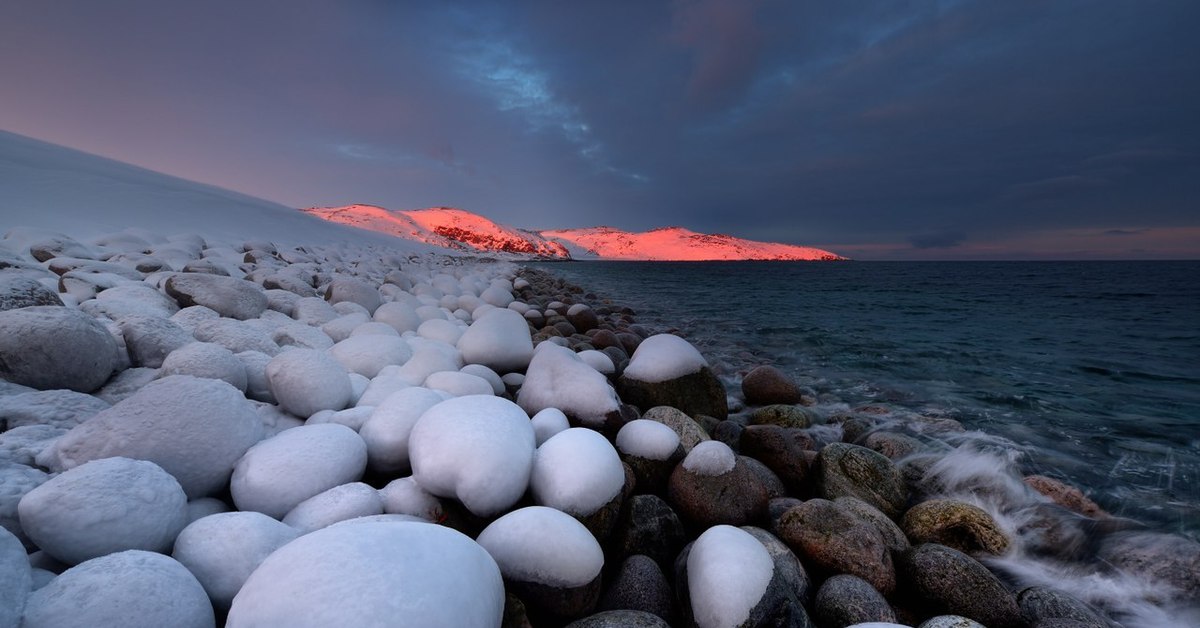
548, 558
228, 296
369, 354
458, 383
339, 503
652, 450
239, 336
401, 316
478, 449
16, 580
195, 429
203, 507
576, 471
207, 360
58, 408
557, 378
403, 496
313, 311
667, 370
728, 573
547, 423
222, 550
49, 347
149, 339
490, 376
499, 340
429, 357
306, 381
104, 506
714, 486
346, 289
132, 589
17, 291
387, 430
599, 361
278, 473
440, 329
374, 574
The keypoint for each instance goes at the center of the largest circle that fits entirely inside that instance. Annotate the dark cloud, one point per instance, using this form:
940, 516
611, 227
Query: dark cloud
820, 123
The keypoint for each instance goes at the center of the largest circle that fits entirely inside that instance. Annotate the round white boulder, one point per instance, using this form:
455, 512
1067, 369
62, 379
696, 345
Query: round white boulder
499, 340
543, 546
196, 429
662, 358
306, 381
647, 439
401, 316
576, 471
710, 458
478, 449
132, 589
208, 360
368, 354
728, 572
222, 550
487, 374
104, 506
458, 383
547, 423
557, 378
404, 496
387, 430
288, 468
377, 573
339, 503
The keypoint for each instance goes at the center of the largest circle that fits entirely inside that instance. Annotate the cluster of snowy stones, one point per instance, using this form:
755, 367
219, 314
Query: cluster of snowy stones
196, 433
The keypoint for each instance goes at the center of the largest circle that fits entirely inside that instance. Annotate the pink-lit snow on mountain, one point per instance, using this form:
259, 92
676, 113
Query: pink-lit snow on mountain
460, 229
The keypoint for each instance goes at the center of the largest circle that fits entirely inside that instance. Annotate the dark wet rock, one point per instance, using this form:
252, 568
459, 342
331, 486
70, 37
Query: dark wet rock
547, 604
515, 615
1051, 530
229, 297
629, 342
602, 522
1065, 495
57, 408
652, 475
845, 470
831, 539
737, 497
844, 600
620, 619
893, 536
649, 526
781, 449
765, 385
892, 444
730, 433
707, 423
150, 339
788, 568
775, 509
952, 621
583, 318
1039, 604
1166, 558
855, 429
695, 393
604, 339
771, 482
953, 523
949, 581
48, 347
640, 586
564, 328
781, 415
17, 291
689, 431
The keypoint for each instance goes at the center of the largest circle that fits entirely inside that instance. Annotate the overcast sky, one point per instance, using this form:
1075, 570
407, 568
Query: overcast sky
881, 130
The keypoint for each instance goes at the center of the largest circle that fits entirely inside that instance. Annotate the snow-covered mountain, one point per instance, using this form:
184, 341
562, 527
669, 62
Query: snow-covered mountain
446, 227
679, 244
465, 231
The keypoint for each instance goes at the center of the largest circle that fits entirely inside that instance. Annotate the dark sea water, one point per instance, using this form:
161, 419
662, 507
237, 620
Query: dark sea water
1090, 369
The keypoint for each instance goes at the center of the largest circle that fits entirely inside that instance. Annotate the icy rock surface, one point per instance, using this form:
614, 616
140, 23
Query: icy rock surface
728, 572
195, 429
49, 347
557, 378
277, 474
647, 439
544, 546
576, 471
222, 550
306, 381
499, 340
478, 449
104, 506
664, 357
132, 589
377, 573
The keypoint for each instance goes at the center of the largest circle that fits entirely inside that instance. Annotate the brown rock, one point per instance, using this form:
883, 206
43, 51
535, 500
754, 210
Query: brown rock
781, 450
949, 581
1065, 495
695, 393
736, 497
781, 415
831, 539
956, 524
850, 470
689, 431
766, 385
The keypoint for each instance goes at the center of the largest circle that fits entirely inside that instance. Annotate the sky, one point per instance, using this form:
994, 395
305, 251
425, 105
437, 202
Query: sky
893, 129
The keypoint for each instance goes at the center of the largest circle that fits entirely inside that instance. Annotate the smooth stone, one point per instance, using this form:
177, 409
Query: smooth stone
206, 360
790, 416
689, 431
765, 385
150, 339
234, 298
17, 291
832, 540
50, 347
737, 497
640, 586
132, 589
957, 621
845, 470
1039, 604
695, 393
949, 581
1065, 495
781, 450
223, 549
892, 444
345, 289
277, 474
620, 619
844, 600
790, 587
650, 527
893, 537
306, 381
195, 429
16, 579
957, 524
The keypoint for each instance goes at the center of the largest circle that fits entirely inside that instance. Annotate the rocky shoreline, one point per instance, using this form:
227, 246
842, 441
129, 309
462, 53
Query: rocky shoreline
194, 433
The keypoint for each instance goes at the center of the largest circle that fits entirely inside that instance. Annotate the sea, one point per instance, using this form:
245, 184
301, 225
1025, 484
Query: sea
1087, 372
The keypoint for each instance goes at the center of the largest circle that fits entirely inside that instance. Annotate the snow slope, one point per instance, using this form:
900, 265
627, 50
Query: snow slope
446, 227
678, 244
57, 188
